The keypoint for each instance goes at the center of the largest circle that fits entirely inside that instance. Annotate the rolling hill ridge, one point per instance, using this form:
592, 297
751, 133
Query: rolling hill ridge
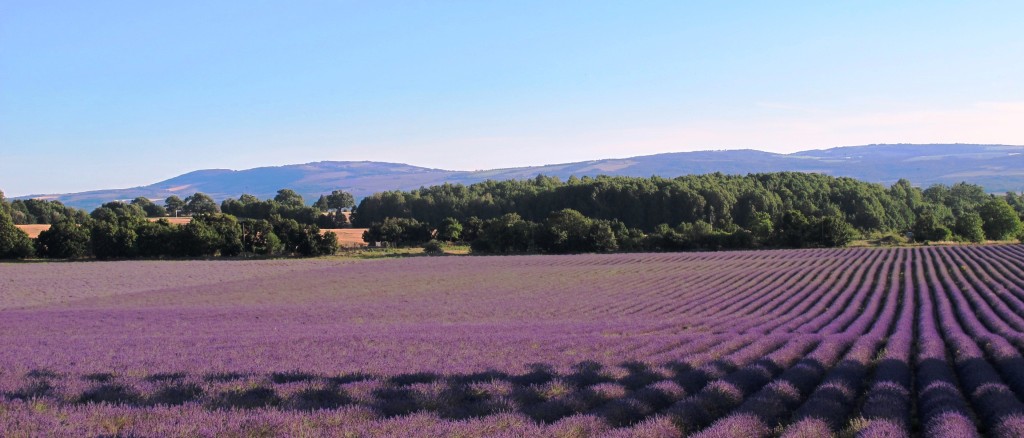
998, 168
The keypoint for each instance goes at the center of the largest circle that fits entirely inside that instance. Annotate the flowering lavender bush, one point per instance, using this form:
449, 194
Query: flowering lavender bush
867, 342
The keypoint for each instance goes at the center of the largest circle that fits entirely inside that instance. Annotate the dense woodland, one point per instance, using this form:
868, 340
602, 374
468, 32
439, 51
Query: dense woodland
544, 214
122, 230
712, 211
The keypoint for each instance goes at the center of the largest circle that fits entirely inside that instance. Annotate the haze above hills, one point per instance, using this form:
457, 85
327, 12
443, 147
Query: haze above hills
998, 168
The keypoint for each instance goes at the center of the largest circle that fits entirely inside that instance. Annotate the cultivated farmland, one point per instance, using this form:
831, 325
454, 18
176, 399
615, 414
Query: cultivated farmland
347, 237
34, 229
878, 342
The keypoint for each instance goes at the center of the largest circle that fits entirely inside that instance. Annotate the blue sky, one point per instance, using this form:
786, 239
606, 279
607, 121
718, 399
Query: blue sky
99, 94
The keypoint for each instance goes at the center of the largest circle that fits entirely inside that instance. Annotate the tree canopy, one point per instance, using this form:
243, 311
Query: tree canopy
289, 198
542, 214
14, 243
1001, 221
151, 209
200, 203
782, 209
63, 240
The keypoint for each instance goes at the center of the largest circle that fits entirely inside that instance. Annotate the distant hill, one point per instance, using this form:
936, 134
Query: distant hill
998, 168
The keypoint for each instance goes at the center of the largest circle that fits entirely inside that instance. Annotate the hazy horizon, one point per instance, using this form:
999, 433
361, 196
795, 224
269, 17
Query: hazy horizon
120, 94
536, 165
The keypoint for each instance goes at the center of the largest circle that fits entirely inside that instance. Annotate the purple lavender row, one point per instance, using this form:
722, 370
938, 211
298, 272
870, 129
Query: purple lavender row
1008, 273
944, 411
824, 413
887, 404
878, 322
400, 339
828, 308
643, 402
1011, 269
541, 393
1005, 357
721, 396
787, 279
743, 322
722, 302
773, 304
750, 311
695, 378
761, 304
654, 289
700, 291
730, 285
693, 371
759, 414
796, 310
1012, 255
34, 419
985, 276
977, 313
750, 286
874, 320
1002, 414
871, 294
698, 352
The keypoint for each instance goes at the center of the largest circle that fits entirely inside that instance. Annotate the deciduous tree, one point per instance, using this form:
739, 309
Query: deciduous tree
200, 203
174, 205
151, 209
970, 227
63, 240
1001, 221
110, 239
450, 230
14, 243
289, 198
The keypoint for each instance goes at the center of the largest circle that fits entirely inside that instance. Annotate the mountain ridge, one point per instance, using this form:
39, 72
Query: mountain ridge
998, 168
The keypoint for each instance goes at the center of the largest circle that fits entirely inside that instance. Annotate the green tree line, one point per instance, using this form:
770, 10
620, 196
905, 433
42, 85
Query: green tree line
326, 212
713, 211
121, 230
543, 214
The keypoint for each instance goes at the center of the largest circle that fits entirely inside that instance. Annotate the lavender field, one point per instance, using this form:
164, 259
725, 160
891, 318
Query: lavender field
804, 343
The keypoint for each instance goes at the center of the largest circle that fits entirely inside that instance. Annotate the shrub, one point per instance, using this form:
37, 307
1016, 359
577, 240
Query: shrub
397, 232
450, 230
64, 240
155, 239
969, 226
831, 231
1001, 220
888, 239
569, 231
508, 233
433, 247
328, 244
14, 243
114, 239
928, 228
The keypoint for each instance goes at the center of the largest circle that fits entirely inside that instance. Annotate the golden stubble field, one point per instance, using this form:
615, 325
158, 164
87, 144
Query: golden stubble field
347, 237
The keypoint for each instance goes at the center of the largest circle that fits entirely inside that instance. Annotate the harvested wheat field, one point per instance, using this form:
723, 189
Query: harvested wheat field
33, 230
348, 237
173, 220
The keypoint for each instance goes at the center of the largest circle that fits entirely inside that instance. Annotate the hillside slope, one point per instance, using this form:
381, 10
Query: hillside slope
998, 168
